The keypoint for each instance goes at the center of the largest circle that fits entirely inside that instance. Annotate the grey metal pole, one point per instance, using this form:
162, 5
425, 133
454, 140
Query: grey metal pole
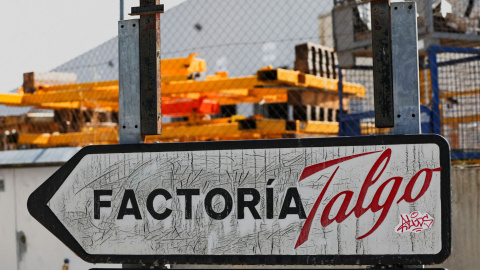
149, 51
129, 82
129, 86
139, 80
122, 8
405, 68
405, 72
139, 73
382, 64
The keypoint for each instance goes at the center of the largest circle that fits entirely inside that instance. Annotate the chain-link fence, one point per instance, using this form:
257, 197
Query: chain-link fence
448, 70
255, 70
455, 78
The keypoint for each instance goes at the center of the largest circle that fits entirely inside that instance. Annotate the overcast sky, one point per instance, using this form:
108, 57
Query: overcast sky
40, 35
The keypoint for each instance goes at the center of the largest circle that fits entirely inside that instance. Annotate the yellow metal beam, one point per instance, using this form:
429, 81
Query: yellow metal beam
172, 88
271, 126
320, 127
254, 95
172, 69
450, 94
84, 95
296, 78
176, 78
194, 131
33, 139
88, 137
183, 66
313, 81
278, 76
461, 119
355, 89
331, 85
78, 86
225, 128
11, 99
109, 106
255, 89
106, 94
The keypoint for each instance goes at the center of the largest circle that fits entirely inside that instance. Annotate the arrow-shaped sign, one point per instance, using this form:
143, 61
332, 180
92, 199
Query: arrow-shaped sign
366, 200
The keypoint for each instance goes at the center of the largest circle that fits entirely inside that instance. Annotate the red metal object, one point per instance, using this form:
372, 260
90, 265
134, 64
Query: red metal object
184, 107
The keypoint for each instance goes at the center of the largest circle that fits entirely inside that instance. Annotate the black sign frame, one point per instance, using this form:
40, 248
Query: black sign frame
37, 204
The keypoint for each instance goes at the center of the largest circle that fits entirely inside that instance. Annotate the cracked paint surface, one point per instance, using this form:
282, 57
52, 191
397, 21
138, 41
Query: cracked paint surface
73, 203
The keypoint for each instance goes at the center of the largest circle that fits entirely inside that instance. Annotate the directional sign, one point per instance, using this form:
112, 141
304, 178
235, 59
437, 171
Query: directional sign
362, 200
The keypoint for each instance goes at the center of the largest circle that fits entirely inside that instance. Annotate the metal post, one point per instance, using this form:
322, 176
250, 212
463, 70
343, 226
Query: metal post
149, 53
129, 82
405, 68
382, 64
129, 86
139, 76
432, 64
341, 126
122, 7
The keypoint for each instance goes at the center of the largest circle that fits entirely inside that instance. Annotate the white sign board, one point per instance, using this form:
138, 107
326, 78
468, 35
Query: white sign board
321, 201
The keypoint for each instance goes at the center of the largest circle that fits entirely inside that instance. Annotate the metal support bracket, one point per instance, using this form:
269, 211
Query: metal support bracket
395, 66
405, 68
129, 82
382, 64
147, 10
150, 78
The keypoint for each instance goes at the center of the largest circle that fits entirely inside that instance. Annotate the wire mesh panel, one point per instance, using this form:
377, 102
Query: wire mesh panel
440, 22
228, 72
245, 101
458, 79
269, 72
360, 117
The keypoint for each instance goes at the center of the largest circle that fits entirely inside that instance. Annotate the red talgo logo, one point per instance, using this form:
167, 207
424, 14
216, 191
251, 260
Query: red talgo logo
375, 205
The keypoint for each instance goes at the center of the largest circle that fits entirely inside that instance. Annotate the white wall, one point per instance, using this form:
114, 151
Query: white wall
8, 254
43, 250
